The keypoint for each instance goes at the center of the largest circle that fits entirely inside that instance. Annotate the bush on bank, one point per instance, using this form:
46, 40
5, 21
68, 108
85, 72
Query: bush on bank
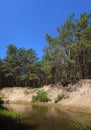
40, 97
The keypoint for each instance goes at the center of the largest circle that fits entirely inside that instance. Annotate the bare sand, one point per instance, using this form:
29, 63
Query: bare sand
78, 95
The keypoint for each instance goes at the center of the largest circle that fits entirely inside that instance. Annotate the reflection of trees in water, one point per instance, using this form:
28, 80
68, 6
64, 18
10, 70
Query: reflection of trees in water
41, 110
19, 107
46, 118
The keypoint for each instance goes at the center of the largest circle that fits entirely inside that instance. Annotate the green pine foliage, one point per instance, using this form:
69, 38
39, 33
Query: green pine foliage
66, 57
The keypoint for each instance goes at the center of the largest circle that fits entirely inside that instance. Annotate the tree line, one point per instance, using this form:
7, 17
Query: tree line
66, 57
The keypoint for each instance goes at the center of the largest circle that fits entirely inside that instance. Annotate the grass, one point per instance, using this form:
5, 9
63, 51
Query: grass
6, 115
60, 97
11, 120
10, 115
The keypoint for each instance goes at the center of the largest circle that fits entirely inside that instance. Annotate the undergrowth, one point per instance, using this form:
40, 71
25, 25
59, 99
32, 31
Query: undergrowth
41, 96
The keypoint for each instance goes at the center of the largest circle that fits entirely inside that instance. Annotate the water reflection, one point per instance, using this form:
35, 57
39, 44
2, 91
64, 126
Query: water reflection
40, 109
49, 118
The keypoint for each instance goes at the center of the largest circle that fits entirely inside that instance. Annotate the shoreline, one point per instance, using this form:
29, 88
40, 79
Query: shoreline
66, 108
77, 96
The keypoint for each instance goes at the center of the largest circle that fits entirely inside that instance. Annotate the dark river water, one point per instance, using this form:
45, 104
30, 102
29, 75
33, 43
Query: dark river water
50, 118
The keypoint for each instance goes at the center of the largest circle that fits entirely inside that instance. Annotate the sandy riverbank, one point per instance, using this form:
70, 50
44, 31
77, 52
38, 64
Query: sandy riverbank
78, 95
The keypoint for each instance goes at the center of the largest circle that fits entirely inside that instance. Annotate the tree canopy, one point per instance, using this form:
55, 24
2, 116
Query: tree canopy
66, 57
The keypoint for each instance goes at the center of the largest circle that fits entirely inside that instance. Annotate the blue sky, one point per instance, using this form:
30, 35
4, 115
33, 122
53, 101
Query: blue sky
24, 23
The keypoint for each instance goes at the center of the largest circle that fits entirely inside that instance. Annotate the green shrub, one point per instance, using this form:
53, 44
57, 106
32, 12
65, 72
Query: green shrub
8, 115
40, 97
60, 97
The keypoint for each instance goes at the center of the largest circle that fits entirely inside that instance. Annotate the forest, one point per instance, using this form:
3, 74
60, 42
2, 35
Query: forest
67, 57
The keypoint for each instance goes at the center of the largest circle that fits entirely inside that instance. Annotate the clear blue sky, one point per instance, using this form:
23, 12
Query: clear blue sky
25, 22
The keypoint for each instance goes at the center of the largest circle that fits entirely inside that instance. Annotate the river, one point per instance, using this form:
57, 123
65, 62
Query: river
50, 118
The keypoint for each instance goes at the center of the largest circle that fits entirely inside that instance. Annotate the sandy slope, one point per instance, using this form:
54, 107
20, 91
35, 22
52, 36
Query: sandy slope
78, 95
